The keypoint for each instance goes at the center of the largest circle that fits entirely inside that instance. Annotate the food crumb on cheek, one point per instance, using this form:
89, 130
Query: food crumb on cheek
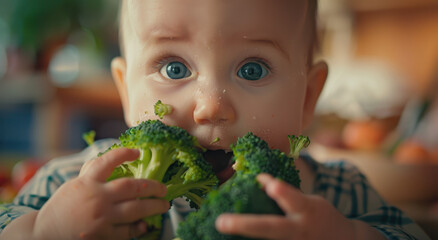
215, 140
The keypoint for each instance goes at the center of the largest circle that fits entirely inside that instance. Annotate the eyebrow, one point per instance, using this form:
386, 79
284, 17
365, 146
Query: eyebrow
172, 38
167, 36
269, 42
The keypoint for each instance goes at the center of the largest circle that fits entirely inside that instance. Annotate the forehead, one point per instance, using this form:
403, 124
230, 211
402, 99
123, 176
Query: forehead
274, 19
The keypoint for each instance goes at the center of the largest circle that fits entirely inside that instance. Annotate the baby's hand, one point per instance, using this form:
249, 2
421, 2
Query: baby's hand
88, 207
307, 217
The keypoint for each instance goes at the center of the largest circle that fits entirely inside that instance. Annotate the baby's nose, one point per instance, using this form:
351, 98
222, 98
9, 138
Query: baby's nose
213, 107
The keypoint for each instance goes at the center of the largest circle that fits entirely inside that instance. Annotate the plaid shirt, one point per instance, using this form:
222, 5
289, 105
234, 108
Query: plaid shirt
339, 183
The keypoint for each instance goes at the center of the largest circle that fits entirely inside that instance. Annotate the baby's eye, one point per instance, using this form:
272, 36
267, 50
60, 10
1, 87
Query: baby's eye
175, 70
252, 71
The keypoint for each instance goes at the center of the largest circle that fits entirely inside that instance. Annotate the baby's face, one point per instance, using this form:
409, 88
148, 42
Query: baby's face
226, 67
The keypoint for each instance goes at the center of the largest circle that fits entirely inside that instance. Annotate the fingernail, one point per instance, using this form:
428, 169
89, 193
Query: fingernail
222, 223
294, 217
262, 178
135, 151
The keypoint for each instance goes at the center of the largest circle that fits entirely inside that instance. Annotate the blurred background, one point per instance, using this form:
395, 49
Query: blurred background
55, 82
379, 108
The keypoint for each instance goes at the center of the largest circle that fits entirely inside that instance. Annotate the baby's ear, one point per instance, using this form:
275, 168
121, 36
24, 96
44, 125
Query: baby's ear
315, 82
118, 70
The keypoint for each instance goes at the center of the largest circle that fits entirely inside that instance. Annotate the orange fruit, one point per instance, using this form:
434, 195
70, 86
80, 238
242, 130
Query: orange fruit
364, 135
411, 152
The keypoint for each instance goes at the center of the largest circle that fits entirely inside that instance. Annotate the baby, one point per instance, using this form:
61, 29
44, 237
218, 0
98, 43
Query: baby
227, 67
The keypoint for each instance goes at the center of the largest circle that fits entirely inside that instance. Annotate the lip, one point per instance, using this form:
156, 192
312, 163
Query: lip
221, 161
216, 146
225, 174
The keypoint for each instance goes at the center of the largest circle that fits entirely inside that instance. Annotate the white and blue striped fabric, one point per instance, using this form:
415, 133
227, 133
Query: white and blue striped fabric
338, 182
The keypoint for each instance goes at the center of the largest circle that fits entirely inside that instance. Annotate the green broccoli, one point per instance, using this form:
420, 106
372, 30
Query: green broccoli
161, 109
253, 155
89, 137
242, 193
215, 140
170, 155
296, 144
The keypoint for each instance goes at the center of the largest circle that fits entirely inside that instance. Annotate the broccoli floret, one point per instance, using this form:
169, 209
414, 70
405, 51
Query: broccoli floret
170, 155
253, 155
161, 109
242, 193
89, 137
297, 144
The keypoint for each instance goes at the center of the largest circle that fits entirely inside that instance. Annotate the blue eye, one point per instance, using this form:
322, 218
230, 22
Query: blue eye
175, 70
252, 71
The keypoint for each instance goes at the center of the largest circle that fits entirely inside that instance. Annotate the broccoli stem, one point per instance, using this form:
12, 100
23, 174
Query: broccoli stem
194, 198
160, 161
143, 162
175, 190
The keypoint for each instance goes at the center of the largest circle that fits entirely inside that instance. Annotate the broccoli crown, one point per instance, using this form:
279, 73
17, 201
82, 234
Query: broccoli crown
170, 155
253, 155
240, 194
165, 151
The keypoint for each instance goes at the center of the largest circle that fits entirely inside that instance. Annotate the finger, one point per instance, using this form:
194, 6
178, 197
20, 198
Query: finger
288, 198
130, 231
85, 167
102, 167
134, 210
123, 189
255, 226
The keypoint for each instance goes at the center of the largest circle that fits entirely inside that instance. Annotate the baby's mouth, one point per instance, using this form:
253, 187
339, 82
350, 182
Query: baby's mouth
222, 162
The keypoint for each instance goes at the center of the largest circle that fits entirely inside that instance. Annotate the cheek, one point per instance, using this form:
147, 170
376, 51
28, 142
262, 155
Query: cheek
275, 126
287, 124
275, 117
141, 102
145, 93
